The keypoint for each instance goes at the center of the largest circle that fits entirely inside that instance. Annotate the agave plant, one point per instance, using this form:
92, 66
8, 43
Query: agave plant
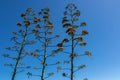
21, 40
44, 36
74, 40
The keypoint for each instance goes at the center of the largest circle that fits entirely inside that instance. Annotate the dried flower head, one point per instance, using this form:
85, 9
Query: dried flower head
88, 53
35, 31
77, 13
23, 15
49, 32
26, 22
46, 13
84, 32
47, 9
14, 33
60, 44
60, 49
67, 25
79, 38
70, 31
36, 20
83, 44
29, 10
46, 16
83, 24
38, 26
65, 21
65, 40
57, 36
64, 74
74, 55
34, 54
19, 24
49, 26
82, 66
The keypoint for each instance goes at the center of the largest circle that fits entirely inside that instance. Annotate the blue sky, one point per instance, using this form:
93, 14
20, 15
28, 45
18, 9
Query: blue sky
102, 18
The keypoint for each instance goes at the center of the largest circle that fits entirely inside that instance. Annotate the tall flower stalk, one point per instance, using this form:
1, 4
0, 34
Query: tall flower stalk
74, 39
44, 34
20, 39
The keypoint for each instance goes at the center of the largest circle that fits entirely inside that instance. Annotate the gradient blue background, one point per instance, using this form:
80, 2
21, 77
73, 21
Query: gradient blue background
103, 23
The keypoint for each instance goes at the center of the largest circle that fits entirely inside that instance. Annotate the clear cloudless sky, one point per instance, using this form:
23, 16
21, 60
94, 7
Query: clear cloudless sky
103, 23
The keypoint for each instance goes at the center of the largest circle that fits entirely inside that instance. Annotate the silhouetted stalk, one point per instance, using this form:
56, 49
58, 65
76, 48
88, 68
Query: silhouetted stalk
72, 48
72, 59
71, 16
44, 61
19, 56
